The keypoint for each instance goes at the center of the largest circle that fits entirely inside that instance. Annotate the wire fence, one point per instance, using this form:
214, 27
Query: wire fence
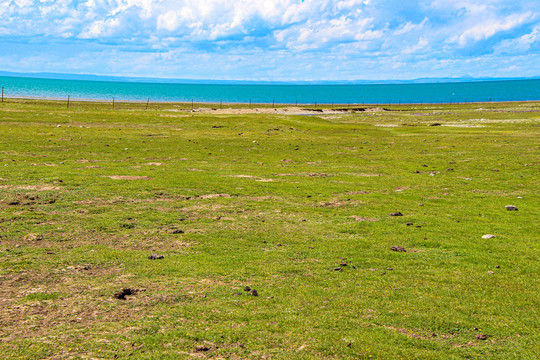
192, 104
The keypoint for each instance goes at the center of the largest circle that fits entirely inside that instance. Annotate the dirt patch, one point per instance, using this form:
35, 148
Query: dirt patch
413, 334
214, 196
128, 177
32, 187
307, 174
256, 178
361, 218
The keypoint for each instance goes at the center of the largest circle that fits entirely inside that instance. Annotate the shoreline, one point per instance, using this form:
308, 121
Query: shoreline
260, 104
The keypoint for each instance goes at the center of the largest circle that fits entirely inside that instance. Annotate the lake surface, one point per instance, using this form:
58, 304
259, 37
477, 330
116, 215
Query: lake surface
507, 90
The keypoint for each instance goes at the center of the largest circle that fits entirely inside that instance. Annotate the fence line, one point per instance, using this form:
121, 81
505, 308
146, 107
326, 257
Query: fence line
250, 102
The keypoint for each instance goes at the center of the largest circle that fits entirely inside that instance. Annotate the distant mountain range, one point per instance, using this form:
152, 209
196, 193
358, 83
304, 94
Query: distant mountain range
86, 77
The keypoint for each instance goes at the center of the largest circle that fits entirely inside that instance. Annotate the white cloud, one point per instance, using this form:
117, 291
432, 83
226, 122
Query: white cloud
422, 43
409, 26
522, 44
343, 32
487, 28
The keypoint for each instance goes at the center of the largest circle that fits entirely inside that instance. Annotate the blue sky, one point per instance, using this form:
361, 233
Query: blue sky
272, 40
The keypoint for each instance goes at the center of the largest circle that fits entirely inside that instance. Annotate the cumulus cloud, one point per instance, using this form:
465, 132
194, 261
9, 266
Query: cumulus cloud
350, 31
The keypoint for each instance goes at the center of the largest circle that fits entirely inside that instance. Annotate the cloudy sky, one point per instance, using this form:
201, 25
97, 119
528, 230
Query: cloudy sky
272, 40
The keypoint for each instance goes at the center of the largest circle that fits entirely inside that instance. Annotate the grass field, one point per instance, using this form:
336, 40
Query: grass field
295, 207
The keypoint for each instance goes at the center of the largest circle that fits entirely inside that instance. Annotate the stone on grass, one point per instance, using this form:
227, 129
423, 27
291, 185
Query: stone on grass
202, 348
488, 236
511, 207
397, 213
156, 257
398, 248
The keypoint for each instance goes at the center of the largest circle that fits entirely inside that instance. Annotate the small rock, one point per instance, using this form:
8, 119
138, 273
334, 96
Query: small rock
488, 236
481, 336
254, 292
177, 231
349, 344
237, 294
398, 248
337, 269
343, 264
410, 224
264, 241
156, 257
511, 208
397, 213
247, 288
491, 272
278, 244
202, 348
33, 237
497, 266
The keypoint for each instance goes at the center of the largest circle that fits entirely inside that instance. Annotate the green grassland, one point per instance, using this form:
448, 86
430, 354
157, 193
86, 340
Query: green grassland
296, 207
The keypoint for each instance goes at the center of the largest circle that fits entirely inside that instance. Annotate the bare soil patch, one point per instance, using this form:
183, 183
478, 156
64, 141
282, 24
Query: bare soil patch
129, 177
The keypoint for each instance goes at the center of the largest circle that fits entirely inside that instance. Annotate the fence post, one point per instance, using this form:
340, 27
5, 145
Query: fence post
68, 102
147, 101
2, 94
221, 104
191, 104
273, 103
113, 103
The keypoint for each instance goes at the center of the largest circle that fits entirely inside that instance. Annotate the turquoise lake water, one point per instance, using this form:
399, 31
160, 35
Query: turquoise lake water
508, 90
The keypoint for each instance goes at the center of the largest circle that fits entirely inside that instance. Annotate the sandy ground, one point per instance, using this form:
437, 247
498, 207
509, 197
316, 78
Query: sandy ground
284, 110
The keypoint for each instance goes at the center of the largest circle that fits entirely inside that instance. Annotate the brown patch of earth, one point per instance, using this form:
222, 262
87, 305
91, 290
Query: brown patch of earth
32, 187
214, 196
256, 178
128, 177
360, 218
413, 334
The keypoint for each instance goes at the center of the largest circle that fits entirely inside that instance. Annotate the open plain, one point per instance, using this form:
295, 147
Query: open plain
297, 233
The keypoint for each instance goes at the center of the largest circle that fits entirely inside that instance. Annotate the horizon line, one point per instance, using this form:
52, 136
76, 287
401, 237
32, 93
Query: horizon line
113, 78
